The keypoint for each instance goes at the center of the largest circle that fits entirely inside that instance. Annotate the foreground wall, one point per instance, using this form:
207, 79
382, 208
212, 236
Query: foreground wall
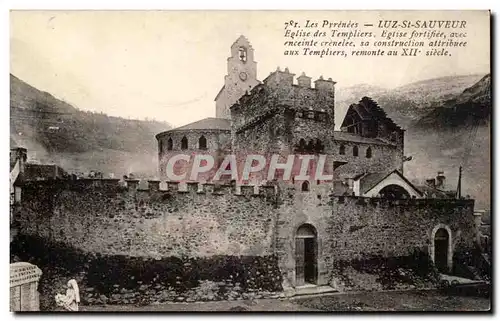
146, 245
125, 245
101, 217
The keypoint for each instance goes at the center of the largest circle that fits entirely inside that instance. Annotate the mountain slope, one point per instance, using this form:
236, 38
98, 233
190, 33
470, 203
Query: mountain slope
408, 103
456, 133
54, 131
469, 108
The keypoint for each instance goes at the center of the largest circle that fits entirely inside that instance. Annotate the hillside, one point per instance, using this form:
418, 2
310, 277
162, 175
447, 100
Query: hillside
53, 131
408, 103
456, 133
471, 107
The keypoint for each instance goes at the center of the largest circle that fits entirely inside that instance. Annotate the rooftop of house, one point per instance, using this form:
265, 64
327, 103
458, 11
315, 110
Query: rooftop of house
370, 180
43, 172
436, 193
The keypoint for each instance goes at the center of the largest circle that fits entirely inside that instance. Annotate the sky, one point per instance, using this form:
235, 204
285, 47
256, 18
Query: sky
169, 65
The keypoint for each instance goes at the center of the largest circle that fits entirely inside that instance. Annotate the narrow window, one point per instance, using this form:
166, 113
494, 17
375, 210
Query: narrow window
305, 186
184, 143
355, 151
342, 150
170, 144
319, 147
301, 146
202, 142
310, 146
369, 152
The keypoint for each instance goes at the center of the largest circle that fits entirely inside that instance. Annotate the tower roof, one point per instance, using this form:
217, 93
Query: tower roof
209, 123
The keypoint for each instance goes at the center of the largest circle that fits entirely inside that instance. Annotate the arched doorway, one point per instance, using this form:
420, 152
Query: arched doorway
441, 245
394, 191
306, 255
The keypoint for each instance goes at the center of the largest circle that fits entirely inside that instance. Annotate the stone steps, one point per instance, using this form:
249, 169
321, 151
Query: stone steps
310, 290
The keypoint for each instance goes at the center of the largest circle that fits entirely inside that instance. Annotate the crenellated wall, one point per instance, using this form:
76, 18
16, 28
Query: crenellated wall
102, 216
206, 220
286, 113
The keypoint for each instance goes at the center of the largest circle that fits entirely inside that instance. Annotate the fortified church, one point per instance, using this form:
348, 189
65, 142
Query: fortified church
168, 241
286, 116
277, 115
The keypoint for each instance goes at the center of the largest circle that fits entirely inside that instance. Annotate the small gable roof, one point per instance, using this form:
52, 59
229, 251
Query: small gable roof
370, 180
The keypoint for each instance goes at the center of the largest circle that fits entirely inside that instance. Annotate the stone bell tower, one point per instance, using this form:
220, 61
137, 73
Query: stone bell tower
241, 77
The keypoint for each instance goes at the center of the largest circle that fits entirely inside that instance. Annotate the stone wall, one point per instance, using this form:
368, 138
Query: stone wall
127, 245
362, 243
111, 220
384, 158
261, 138
123, 279
356, 229
218, 145
285, 112
217, 139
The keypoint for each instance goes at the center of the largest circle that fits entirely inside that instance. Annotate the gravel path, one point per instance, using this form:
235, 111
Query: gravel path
370, 301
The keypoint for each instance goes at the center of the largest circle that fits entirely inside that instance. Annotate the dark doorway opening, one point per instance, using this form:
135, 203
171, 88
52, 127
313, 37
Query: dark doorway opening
306, 249
394, 192
310, 260
441, 242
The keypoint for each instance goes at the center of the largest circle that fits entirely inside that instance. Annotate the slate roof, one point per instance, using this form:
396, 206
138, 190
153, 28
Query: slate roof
430, 191
370, 180
207, 123
42, 172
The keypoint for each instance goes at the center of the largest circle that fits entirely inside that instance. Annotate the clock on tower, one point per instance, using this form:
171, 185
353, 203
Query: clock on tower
241, 77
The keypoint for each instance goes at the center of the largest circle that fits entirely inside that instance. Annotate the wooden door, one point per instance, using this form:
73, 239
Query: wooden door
441, 241
299, 261
310, 265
